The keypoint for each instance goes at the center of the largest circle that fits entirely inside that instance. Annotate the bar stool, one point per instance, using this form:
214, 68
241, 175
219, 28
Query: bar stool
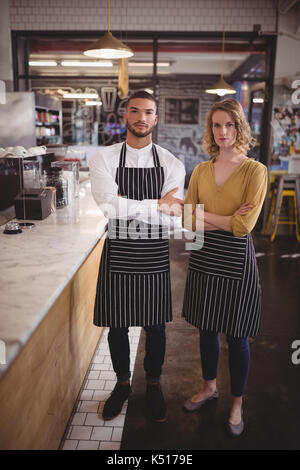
287, 186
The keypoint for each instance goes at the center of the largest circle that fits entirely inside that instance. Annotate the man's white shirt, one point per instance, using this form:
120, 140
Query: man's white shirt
103, 167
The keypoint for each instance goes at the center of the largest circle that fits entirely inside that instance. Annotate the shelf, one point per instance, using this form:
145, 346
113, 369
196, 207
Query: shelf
39, 123
48, 120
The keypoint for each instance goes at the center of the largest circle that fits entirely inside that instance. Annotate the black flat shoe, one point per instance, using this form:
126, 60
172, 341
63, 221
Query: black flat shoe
155, 403
115, 402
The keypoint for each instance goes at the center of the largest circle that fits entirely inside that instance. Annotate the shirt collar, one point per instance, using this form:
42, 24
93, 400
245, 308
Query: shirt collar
139, 151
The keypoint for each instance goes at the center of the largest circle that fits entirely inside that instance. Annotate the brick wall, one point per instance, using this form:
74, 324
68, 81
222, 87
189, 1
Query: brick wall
184, 141
146, 15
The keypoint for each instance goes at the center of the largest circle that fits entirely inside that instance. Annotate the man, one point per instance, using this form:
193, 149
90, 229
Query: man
134, 183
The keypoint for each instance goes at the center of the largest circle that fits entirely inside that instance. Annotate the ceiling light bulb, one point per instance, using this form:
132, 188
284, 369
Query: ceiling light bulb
78, 63
81, 95
42, 63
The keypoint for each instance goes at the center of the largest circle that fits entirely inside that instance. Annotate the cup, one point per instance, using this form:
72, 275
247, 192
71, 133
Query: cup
6, 153
38, 150
19, 151
42, 149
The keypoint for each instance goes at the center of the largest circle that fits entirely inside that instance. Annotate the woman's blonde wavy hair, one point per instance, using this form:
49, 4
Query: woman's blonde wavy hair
243, 141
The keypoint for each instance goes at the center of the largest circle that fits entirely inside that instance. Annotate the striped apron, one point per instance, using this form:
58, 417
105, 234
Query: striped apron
222, 292
133, 287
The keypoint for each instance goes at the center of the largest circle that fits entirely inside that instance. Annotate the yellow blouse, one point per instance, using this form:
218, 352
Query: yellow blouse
247, 183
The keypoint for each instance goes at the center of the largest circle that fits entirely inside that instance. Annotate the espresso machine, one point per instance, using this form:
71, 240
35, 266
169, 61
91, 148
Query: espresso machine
12, 180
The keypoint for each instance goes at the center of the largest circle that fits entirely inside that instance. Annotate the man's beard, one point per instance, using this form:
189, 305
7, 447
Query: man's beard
140, 133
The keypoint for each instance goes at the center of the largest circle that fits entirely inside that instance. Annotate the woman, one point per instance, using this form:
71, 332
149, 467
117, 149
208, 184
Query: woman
222, 293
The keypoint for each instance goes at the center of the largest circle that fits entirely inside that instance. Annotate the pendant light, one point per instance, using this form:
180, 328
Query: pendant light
108, 47
222, 88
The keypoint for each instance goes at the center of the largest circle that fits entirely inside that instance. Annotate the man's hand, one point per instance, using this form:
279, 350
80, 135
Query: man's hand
170, 205
243, 209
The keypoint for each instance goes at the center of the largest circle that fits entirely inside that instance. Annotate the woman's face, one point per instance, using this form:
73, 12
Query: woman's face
224, 130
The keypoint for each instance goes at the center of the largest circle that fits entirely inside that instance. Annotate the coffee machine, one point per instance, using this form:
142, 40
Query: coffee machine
12, 180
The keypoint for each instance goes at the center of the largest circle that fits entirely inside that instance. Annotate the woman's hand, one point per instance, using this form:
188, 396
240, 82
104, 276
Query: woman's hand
243, 209
199, 212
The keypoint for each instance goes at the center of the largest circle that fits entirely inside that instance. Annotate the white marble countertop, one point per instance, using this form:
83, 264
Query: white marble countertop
37, 264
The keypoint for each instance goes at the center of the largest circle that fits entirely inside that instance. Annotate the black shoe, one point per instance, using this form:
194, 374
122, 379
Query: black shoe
114, 404
155, 403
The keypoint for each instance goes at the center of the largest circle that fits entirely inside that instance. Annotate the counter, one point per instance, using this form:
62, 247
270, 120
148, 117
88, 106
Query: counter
47, 283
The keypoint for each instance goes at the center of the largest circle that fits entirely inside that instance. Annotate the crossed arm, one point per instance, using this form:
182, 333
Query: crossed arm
218, 222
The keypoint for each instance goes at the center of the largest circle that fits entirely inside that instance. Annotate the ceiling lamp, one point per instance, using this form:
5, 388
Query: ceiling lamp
108, 47
222, 88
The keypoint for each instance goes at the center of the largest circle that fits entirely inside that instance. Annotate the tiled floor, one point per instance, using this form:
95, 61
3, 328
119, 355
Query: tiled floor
86, 429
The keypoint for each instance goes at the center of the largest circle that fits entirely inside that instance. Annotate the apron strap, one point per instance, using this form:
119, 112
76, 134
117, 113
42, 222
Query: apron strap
155, 156
122, 159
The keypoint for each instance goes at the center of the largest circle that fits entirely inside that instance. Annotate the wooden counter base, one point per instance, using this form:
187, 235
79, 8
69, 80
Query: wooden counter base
39, 389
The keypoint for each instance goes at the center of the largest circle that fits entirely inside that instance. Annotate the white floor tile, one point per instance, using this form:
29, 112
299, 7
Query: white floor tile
98, 359
107, 360
93, 375
101, 433
107, 375
101, 366
109, 446
100, 407
88, 445
117, 434
78, 419
86, 395
87, 430
135, 339
70, 445
101, 395
81, 432
93, 419
110, 384
69, 432
124, 409
95, 385
117, 421
89, 407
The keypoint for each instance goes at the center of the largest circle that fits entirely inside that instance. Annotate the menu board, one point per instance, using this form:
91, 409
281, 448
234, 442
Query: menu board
181, 111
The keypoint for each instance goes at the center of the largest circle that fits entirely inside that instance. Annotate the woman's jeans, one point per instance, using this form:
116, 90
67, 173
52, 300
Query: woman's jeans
239, 359
155, 352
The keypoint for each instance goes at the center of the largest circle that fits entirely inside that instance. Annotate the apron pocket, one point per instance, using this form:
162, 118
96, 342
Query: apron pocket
140, 256
222, 255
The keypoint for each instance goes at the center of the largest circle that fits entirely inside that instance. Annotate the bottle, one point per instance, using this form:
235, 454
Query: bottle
54, 177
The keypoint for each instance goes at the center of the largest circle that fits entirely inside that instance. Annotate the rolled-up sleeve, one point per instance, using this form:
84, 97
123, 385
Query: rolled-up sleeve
255, 195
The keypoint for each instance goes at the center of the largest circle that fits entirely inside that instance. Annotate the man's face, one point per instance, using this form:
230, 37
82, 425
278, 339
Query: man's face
140, 117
